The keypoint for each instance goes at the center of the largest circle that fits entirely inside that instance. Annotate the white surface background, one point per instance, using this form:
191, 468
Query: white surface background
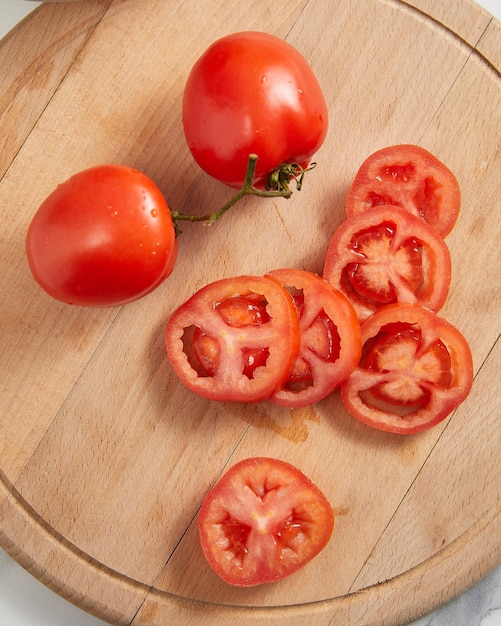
24, 601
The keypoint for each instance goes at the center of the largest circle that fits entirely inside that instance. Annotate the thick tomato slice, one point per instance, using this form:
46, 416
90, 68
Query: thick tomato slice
263, 521
415, 369
329, 333
235, 339
411, 177
386, 255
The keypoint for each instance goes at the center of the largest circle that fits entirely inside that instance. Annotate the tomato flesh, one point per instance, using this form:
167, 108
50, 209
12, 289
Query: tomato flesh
415, 370
324, 336
262, 522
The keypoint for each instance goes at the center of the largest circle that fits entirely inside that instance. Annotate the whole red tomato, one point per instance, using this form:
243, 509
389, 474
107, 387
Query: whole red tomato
252, 93
104, 237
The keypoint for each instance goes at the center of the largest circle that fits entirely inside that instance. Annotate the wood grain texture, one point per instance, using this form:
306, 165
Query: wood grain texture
104, 457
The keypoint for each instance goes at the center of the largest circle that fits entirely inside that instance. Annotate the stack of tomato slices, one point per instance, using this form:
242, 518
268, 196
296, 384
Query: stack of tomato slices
369, 325
391, 261
288, 337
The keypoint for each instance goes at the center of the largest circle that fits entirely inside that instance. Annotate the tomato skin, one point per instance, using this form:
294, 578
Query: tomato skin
230, 338
330, 344
263, 521
388, 247
102, 238
252, 93
411, 177
416, 361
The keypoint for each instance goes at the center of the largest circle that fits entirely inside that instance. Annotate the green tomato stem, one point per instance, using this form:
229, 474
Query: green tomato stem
277, 186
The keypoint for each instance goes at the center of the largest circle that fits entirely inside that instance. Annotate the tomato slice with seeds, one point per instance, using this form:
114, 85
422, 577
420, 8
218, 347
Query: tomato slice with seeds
386, 255
235, 339
415, 369
410, 177
329, 334
263, 521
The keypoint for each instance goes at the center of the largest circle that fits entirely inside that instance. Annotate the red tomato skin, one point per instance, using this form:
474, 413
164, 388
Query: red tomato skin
103, 238
228, 383
263, 495
328, 371
437, 266
252, 93
443, 401
427, 187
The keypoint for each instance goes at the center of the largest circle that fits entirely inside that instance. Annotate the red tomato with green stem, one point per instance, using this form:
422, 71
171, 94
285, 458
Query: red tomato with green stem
386, 255
416, 369
253, 93
235, 339
263, 521
410, 177
329, 334
104, 237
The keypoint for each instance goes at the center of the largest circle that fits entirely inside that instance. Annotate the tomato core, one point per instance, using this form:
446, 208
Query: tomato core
381, 256
416, 364
238, 312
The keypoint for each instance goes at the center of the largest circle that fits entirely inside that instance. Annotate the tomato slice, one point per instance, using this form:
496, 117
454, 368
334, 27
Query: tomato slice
235, 339
415, 369
410, 177
386, 255
329, 333
263, 521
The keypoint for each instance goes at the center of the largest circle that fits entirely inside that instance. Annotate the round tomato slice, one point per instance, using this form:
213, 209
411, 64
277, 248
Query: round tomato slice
415, 369
263, 521
386, 255
329, 334
411, 177
235, 339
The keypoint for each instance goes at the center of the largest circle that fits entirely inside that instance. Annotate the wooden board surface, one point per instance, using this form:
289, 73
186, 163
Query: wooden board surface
104, 456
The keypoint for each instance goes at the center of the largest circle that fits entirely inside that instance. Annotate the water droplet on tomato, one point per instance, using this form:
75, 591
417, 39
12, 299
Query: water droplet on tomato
154, 213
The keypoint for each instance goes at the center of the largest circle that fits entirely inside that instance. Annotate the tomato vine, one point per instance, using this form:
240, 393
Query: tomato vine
277, 186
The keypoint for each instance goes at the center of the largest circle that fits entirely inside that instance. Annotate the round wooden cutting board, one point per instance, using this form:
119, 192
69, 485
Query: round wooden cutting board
104, 456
